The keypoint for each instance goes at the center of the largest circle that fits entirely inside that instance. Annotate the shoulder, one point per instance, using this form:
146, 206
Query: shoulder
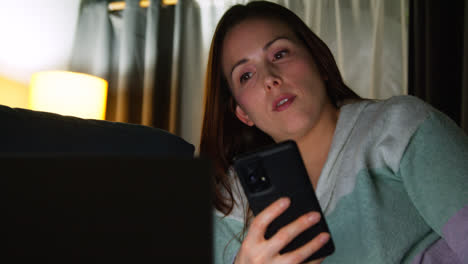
404, 108
398, 116
383, 128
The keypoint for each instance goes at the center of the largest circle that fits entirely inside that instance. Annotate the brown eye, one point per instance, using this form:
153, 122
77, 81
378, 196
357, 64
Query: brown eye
245, 77
280, 55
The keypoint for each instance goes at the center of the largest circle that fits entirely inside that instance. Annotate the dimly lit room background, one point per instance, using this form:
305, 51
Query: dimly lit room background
153, 54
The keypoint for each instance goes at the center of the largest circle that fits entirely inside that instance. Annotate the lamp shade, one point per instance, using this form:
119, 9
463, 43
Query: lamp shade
13, 93
68, 93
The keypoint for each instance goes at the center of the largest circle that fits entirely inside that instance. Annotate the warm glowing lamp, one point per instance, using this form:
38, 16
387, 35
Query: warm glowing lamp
68, 93
13, 93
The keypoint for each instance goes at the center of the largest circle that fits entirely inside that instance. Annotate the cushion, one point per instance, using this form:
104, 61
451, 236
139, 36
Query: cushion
26, 131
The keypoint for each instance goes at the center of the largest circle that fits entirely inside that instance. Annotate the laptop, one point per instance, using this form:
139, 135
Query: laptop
105, 209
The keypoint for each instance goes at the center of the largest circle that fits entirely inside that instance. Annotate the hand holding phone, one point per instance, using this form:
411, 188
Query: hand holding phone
278, 231
256, 249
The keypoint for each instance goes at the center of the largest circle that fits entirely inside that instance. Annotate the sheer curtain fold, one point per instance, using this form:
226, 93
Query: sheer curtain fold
369, 42
93, 40
189, 73
129, 60
120, 47
150, 63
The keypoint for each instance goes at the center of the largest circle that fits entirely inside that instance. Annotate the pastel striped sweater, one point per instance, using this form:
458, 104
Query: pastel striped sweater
394, 188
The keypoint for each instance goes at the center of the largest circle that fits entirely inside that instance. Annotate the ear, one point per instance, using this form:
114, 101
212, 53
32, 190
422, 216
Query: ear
243, 117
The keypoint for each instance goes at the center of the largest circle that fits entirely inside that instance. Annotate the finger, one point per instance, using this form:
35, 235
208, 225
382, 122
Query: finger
260, 223
287, 233
300, 254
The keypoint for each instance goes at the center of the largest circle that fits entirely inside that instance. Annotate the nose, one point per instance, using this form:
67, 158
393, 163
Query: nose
272, 79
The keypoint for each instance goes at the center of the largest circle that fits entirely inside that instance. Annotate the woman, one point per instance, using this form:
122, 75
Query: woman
391, 176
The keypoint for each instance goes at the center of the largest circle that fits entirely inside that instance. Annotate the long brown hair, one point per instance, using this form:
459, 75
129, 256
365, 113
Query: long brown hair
223, 135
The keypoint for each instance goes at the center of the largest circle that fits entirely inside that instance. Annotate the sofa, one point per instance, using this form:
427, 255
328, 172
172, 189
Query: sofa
33, 132
100, 222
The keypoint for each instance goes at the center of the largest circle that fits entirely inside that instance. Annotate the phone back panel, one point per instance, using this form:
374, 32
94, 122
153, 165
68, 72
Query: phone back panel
287, 177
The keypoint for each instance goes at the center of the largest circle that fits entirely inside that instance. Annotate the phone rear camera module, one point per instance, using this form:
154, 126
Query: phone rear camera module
256, 179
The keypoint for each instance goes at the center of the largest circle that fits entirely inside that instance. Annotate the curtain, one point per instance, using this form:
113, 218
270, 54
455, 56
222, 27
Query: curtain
367, 37
124, 48
438, 56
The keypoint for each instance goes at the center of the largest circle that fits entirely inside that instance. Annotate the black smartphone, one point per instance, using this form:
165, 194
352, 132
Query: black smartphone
278, 171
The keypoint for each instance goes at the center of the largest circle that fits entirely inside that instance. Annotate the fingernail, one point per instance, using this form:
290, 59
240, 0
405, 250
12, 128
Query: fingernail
313, 217
324, 238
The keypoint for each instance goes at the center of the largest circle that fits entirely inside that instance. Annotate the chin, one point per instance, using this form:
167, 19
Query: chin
294, 132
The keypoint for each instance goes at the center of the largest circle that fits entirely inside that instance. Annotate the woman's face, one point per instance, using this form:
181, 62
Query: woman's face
274, 79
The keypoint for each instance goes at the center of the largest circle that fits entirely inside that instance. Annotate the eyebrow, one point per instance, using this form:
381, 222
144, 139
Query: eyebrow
269, 43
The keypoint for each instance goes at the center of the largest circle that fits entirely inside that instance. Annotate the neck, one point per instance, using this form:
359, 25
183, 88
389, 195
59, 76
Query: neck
315, 145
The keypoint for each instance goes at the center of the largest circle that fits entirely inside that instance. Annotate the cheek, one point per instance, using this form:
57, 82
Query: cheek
247, 95
305, 75
300, 70
250, 101
245, 100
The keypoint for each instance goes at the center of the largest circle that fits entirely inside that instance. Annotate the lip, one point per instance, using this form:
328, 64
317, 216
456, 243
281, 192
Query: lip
284, 106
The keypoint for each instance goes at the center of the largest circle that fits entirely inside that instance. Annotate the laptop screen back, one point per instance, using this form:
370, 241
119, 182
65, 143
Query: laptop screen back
106, 209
